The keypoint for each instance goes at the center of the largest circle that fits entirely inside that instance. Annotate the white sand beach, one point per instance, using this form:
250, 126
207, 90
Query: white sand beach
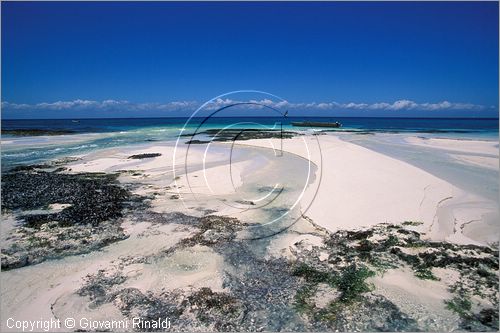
359, 187
350, 187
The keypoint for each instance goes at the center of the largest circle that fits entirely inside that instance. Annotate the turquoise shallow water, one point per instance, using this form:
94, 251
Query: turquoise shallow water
94, 134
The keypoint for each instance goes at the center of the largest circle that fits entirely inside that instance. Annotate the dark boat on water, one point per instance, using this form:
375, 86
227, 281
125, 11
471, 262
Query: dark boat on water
316, 124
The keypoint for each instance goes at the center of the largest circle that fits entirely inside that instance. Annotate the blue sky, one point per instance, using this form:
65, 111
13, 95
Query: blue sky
152, 59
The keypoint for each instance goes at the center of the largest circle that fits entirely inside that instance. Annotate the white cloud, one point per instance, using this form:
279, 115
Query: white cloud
126, 106
403, 104
109, 104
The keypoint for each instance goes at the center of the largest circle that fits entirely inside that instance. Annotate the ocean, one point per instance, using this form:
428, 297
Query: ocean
92, 134
473, 126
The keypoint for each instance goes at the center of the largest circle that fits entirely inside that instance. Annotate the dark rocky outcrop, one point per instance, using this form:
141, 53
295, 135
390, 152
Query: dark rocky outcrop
93, 204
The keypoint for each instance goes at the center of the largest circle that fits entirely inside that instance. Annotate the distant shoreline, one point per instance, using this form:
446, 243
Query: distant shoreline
35, 132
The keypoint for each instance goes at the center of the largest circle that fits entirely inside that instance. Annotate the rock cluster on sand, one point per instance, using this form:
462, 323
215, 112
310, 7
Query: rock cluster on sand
88, 208
348, 259
325, 286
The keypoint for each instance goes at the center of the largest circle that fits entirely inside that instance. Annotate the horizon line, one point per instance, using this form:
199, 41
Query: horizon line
187, 117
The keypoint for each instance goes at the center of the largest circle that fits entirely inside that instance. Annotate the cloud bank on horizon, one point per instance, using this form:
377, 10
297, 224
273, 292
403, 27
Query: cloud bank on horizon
189, 106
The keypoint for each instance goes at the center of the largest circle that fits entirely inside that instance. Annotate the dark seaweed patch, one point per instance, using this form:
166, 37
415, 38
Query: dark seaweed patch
145, 155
